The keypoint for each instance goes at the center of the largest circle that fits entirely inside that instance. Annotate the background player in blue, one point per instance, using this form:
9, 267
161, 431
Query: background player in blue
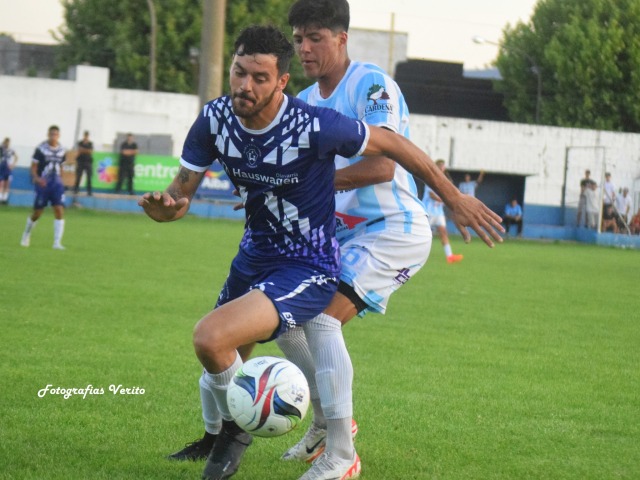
279, 152
8, 160
49, 189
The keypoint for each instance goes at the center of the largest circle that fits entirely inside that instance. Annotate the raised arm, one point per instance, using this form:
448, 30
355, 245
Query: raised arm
174, 202
467, 211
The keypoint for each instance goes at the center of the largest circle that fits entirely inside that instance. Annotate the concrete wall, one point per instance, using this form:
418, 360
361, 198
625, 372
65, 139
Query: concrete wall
30, 105
85, 102
540, 153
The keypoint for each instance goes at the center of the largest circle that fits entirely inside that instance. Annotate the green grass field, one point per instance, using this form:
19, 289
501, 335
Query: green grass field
521, 362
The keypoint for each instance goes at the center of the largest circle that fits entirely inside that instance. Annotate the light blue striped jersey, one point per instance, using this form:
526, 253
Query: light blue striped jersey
368, 94
434, 207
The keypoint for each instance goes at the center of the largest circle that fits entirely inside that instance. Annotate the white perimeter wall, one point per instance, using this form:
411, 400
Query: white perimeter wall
28, 106
538, 152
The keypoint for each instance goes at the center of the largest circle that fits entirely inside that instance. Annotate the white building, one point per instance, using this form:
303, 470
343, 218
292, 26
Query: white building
551, 160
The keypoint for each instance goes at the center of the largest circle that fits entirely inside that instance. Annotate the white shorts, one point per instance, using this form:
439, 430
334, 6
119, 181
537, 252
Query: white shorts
438, 221
376, 263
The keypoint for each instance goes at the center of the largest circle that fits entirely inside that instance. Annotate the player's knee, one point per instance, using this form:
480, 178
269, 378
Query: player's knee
206, 340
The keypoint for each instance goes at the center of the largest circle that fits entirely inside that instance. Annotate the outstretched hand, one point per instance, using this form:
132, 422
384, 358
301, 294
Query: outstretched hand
162, 207
469, 212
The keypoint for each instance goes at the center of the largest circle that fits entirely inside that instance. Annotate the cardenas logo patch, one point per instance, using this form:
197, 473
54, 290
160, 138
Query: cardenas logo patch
379, 98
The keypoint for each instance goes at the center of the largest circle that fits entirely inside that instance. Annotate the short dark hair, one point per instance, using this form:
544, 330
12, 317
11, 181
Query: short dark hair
331, 14
265, 39
54, 127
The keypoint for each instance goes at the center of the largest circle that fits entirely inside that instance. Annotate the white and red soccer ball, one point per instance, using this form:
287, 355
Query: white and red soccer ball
268, 396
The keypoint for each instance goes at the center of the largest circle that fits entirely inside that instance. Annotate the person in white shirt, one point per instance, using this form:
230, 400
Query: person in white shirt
609, 193
592, 207
623, 207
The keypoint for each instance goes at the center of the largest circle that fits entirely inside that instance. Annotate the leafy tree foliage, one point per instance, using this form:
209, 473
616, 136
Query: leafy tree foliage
261, 12
116, 35
587, 56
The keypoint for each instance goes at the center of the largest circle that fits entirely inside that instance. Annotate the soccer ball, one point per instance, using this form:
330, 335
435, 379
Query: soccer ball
268, 396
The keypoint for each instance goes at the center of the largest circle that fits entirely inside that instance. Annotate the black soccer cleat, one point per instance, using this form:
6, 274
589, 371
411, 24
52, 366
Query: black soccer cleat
198, 450
227, 452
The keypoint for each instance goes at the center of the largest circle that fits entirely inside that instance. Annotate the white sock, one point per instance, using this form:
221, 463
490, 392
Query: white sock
210, 413
58, 231
293, 344
334, 375
217, 383
29, 227
447, 250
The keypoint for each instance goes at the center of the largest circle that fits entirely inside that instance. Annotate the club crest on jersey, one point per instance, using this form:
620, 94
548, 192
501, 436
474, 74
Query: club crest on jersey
252, 154
379, 96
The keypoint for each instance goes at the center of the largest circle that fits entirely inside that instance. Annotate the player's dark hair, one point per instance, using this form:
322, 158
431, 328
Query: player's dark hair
265, 39
54, 127
331, 14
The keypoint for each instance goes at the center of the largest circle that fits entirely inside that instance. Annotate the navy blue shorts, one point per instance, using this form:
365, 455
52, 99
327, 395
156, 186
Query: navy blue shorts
52, 194
299, 292
5, 171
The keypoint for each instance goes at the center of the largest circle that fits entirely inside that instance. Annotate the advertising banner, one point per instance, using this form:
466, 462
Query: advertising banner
155, 173
216, 184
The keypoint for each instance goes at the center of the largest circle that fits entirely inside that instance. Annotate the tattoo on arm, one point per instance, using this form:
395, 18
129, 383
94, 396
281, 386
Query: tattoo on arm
184, 184
183, 175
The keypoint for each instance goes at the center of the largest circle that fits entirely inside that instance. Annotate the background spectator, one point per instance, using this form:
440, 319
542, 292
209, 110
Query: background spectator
592, 206
84, 163
634, 224
623, 208
513, 216
585, 183
609, 219
128, 152
609, 192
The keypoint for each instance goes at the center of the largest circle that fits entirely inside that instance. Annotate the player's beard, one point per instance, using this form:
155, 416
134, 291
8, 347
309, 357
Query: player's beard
252, 108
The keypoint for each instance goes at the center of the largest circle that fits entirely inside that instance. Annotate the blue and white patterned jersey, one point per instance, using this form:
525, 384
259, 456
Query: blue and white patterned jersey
49, 159
368, 94
284, 173
6, 156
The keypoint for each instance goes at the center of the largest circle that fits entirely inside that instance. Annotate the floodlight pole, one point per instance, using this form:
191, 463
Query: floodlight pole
212, 50
152, 48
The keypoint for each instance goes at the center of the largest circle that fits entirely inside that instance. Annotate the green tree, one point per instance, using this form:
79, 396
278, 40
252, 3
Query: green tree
261, 12
116, 35
586, 54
